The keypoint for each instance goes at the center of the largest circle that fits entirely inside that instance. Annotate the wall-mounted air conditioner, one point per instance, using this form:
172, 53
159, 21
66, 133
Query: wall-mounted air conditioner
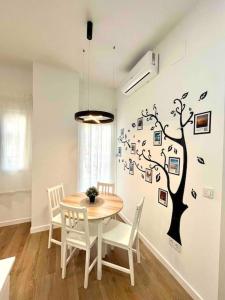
141, 73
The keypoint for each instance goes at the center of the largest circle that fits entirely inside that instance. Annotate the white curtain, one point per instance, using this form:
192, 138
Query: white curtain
95, 154
15, 143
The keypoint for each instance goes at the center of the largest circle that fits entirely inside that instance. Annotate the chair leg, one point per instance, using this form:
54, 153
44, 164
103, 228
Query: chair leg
138, 250
104, 250
63, 258
131, 265
87, 263
50, 235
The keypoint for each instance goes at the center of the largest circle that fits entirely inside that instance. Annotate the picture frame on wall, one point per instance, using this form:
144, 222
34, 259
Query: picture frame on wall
148, 175
131, 168
174, 165
163, 197
202, 122
119, 151
133, 148
140, 123
157, 138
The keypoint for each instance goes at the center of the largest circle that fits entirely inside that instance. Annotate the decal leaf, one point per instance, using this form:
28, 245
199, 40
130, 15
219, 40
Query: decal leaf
175, 151
201, 160
139, 141
142, 175
170, 148
184, 95
144, 143
194, 194
158, 177
152, 128
128, 130
203, 95
133, 125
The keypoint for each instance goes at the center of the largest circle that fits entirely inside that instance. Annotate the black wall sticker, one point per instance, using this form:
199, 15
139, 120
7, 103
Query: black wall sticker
140, 123
167, 166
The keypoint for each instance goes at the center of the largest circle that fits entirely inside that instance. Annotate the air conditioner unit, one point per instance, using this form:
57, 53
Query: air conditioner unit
145, 70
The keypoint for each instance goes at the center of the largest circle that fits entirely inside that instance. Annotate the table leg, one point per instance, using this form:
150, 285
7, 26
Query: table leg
99, 265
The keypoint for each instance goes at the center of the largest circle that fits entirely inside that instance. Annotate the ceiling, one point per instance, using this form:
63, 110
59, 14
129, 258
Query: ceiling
54, 31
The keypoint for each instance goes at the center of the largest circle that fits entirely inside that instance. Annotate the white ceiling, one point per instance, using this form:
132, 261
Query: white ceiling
54, 31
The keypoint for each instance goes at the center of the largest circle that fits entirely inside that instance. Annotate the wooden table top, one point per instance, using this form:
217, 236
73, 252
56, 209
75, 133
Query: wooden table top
104, 206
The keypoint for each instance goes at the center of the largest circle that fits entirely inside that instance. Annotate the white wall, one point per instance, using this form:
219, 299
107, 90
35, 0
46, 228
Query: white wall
16, 82
192, 59
101, 97
55, 100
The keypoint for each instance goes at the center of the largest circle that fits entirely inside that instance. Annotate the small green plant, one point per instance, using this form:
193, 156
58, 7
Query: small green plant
92, 192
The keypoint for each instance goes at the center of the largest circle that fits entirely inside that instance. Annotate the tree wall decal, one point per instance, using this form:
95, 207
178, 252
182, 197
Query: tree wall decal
178, 205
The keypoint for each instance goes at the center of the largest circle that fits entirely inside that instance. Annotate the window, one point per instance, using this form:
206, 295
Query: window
13, 137
15, 143
95, 154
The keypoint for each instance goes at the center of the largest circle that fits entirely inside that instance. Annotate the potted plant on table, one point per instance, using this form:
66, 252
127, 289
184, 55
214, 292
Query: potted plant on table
92, 192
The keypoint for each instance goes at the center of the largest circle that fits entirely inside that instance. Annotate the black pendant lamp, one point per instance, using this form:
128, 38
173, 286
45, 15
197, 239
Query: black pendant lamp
92, 116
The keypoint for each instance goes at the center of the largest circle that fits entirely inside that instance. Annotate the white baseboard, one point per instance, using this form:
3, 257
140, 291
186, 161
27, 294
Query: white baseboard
35, 229
190, 290
14, 221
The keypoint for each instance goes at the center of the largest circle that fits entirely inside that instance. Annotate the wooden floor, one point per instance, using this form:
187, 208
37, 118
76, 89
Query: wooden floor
37, 274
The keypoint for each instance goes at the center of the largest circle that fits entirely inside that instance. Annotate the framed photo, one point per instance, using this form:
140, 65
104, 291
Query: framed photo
202, 123
133, 148
157, 138
119, 151
122, 132
131, 168
148, 175
174, 165
163, 197
140, 123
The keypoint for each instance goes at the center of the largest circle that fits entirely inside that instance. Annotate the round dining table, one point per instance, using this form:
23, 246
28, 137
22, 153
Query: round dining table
105, 206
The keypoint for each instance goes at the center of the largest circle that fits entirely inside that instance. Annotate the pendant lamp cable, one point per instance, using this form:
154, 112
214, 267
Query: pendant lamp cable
114, 67
89, 52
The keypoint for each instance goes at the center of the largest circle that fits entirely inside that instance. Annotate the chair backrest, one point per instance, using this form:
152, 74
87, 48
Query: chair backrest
55, 196
136, 222
106, 188
75, 220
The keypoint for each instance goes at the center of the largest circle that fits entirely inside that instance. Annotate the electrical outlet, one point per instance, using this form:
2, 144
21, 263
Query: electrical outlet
208, 193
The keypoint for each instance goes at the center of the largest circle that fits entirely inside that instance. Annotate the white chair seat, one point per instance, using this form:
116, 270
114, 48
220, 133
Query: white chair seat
77, 240
117, 232
57, 219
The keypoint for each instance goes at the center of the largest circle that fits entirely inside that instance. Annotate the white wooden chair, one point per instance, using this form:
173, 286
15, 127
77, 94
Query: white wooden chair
124, 236
76, 233
106, 188
55, 196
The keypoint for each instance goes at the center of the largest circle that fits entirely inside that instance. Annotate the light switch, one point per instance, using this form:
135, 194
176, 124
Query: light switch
208, 193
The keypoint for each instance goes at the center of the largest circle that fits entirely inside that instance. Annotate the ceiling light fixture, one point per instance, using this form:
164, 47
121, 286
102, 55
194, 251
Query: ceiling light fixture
92, 116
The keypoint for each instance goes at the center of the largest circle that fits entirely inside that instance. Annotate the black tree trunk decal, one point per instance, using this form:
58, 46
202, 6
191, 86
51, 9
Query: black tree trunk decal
178, 206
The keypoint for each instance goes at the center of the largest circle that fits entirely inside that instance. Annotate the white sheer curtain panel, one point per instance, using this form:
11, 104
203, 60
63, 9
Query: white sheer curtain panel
95, 154
15, 143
